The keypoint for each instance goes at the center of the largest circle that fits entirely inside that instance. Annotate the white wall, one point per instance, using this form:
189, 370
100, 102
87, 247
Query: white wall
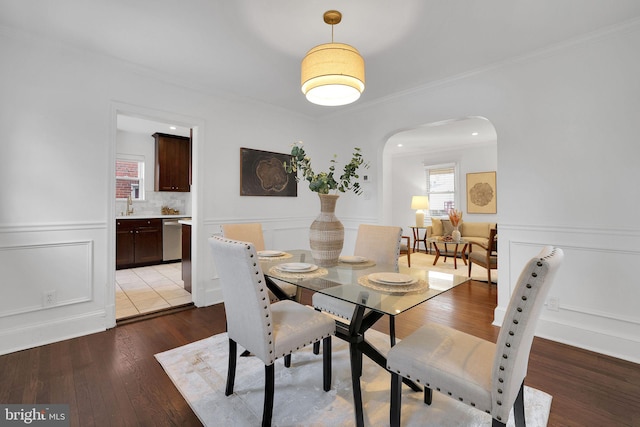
567, 163
58, 114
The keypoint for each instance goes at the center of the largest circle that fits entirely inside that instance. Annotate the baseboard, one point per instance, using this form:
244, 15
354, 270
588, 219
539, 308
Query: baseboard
604, 342
598, 342
48, 332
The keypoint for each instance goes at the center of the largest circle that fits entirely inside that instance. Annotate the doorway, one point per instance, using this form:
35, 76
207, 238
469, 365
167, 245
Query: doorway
152, 279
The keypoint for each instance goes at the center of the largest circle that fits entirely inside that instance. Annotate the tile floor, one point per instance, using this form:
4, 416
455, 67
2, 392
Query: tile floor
147, 289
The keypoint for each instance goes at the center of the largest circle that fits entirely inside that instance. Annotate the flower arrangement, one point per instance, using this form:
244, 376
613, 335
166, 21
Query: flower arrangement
323, 182
455, 217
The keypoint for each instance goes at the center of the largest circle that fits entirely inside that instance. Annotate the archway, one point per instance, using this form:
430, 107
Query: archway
469, 142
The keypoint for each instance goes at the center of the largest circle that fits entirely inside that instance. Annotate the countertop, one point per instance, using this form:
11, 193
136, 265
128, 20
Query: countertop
151, 216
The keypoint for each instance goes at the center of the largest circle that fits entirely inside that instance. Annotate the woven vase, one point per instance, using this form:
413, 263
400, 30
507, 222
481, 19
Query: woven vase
326, 234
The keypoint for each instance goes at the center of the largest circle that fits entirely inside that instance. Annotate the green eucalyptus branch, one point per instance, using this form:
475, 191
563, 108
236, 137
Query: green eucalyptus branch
324, 182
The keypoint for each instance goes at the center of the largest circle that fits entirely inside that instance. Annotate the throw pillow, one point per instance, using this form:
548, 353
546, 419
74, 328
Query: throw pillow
447, 227
436, 227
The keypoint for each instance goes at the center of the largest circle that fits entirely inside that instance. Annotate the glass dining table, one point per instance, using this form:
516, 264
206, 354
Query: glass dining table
375, 290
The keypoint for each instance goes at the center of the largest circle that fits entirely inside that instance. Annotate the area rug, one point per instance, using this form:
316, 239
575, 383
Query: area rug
199, 371
425, 261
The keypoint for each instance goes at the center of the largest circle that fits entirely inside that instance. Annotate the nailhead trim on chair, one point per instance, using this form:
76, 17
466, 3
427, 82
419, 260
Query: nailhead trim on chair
520, 310
266, 308
505, 353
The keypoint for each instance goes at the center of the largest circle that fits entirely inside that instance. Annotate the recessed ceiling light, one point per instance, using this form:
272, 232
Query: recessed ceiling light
399, 145
173, 127
474, 134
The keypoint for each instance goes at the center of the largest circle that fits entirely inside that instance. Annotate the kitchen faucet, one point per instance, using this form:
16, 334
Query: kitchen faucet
129, 205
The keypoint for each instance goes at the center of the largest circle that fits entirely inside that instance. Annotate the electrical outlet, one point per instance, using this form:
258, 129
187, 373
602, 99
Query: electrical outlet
49, 298
553, 304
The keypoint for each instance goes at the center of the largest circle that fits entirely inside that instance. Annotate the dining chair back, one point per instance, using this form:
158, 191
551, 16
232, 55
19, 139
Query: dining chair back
379, 243
268, 331
252, 232
479, 373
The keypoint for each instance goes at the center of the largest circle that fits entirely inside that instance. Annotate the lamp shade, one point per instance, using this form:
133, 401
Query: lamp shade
332, 74
420, 202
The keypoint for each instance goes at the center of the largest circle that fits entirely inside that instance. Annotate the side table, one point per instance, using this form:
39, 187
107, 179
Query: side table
417, 239
446, 252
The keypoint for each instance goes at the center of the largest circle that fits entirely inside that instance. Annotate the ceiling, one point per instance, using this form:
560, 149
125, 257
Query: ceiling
226, 47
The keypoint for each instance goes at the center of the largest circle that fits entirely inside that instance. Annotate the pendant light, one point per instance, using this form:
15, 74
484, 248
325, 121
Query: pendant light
332, 74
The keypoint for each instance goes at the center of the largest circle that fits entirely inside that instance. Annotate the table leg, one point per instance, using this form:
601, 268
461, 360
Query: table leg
355, 337
277, 290
437, 253
354, 353
455, 257
464, 253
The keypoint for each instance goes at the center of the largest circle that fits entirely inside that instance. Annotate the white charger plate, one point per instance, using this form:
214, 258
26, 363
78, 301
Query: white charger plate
392, 279
270, 253
353, 259
297, 267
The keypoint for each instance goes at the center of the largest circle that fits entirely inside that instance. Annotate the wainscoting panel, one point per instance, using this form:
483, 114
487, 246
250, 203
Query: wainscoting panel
62, 271
593, 301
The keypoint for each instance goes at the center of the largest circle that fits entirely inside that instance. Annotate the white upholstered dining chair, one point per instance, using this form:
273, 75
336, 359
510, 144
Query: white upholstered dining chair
252, 232
268, 331
378, 243
479, 373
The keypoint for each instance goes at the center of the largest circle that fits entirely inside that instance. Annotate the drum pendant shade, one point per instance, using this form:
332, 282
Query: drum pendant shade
332, 74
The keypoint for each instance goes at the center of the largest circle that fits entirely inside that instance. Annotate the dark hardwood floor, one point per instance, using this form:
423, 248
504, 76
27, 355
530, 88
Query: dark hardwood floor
112, 378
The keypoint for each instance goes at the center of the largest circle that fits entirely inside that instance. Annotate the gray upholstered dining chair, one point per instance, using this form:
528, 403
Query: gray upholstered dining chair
484, 375
378, 243
486, 256
268, 331
252, 232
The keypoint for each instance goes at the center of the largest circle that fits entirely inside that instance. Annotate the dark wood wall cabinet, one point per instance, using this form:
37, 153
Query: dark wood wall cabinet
173, 163
138, 242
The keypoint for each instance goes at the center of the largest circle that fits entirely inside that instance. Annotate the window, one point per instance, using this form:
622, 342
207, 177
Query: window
129, 178
441, 189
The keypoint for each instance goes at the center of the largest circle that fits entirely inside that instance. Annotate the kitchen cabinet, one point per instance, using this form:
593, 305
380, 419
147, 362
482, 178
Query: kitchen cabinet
172, 163
138, 242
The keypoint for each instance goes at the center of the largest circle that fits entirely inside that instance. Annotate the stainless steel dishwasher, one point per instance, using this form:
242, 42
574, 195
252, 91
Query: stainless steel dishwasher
171, 239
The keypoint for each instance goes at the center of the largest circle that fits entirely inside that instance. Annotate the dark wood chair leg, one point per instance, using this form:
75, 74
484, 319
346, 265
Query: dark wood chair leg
326, 363
269, 385
287, 361
518, 408
396, 400
231, 372
428, 396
